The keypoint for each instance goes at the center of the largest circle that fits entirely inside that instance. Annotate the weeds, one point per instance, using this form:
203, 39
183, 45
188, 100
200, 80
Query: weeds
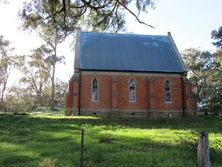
188, 143
105, 139
48, 162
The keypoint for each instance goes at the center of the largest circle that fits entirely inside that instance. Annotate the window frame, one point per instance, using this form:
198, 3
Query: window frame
132, 79
168, 91
97, 90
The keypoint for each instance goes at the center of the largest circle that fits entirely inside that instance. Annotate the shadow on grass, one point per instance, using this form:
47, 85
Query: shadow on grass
27, 141
210, 124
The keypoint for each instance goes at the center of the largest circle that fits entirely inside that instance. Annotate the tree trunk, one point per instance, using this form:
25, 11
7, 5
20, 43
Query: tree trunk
2, 97
3, 91
52, 107
1, 100
40, 93
39, 96
54, 59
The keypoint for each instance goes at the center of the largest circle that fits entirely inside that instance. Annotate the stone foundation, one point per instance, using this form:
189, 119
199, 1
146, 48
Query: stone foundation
129, 113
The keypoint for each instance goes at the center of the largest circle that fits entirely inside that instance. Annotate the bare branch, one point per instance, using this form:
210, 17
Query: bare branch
136, 17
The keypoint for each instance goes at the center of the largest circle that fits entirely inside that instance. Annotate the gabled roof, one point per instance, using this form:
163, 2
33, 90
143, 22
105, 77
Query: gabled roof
127, 52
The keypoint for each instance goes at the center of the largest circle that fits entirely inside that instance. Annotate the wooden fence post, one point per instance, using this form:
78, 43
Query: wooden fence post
203, 152
82, 146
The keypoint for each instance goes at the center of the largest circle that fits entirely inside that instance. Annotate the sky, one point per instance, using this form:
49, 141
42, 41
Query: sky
189, 21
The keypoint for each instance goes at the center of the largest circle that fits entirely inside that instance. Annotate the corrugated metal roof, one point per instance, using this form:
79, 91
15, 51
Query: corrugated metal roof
128, 52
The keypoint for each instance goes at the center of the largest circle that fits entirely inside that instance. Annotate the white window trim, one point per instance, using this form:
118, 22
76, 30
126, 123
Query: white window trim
134, 88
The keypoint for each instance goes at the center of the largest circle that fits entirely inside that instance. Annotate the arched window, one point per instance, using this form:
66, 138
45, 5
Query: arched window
168, 96
95, 89
132, 90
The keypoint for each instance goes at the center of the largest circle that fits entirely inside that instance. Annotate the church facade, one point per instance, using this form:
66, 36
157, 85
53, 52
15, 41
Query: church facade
128, 75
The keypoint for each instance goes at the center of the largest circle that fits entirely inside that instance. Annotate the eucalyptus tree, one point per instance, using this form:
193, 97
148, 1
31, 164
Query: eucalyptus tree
93, 14
34, 72
49, 32
216, 100
201, 67
205, 72
6, 62
217, 36
205, 75
52, 38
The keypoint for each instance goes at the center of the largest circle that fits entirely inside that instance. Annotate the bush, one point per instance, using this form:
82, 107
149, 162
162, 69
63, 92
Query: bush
2, 107
13, 104
188, 143
48, 163
105, 139
216, 150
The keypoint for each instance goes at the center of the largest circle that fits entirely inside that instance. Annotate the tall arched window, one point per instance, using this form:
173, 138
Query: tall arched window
132, 90
95, 89
168, 96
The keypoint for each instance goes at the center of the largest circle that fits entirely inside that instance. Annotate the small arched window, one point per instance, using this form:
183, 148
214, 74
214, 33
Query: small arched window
95, 89
132, 90
168, 96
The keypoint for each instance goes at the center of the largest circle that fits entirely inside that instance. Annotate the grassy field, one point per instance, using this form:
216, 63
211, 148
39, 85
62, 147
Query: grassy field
41, 139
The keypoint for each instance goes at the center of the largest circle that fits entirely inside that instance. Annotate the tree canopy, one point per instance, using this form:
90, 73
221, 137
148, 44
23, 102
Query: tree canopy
34, 72
217, 35
92, 14
205, 74
200, 66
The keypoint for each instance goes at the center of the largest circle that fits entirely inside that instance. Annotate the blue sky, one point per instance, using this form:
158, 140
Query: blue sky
189, 21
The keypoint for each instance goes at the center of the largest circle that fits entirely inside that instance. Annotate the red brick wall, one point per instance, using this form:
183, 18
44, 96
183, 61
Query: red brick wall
191, 104
75, 93
141, 92
114, 91
105, 92
176, 103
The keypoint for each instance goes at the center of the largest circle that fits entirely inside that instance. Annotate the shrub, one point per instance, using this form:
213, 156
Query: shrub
48, 162
188, 143
216, 150
105, 139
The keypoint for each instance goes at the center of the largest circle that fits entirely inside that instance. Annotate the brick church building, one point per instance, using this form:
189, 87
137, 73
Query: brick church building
128, 75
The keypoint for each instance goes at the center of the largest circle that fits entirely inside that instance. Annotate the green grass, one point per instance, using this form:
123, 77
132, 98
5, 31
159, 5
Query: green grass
40, 139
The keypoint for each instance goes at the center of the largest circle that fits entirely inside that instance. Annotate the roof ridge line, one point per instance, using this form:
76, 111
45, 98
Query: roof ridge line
125, 34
